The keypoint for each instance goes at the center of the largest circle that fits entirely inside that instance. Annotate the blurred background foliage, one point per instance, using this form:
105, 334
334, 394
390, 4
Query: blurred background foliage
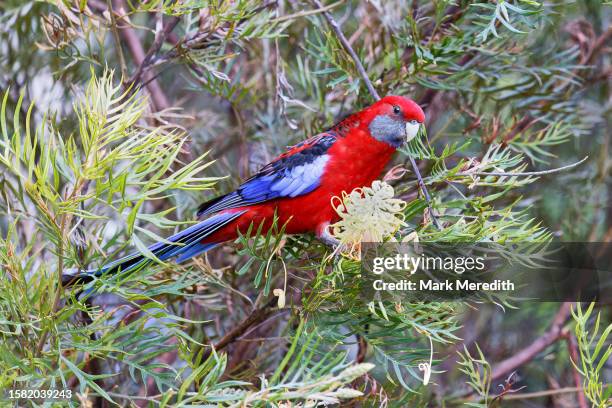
120, 117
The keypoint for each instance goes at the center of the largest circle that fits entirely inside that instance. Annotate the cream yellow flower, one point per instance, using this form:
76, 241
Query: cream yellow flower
368, 214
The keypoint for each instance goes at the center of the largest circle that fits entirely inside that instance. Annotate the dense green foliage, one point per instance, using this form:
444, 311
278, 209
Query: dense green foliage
116, 124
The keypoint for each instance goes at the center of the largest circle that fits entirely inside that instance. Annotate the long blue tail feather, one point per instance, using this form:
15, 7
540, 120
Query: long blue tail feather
184, 245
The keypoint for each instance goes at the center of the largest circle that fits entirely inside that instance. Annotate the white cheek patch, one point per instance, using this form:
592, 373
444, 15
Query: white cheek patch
412, 129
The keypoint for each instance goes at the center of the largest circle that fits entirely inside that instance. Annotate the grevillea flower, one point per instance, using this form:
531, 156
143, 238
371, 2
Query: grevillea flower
368, 214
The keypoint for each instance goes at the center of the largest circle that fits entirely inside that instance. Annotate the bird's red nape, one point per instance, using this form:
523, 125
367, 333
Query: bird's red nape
409, 109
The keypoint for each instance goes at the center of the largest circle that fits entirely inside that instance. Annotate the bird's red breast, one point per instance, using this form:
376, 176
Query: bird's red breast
356, 160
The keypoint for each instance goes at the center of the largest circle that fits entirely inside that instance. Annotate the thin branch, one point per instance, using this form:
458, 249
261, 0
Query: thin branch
129, 35
362, 349
364, 76
117, 40
197, 41
432, 214
525, 173
553, 334
347, 46
255, 317
572, 348
540, 394
599, 43
519, 127
161, 34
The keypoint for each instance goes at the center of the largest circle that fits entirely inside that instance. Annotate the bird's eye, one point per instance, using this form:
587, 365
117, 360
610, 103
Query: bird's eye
396, 109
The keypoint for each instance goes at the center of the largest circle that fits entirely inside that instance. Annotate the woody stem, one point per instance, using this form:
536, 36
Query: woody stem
364, 76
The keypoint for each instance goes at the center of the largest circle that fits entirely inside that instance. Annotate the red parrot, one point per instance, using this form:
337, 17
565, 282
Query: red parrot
298, 185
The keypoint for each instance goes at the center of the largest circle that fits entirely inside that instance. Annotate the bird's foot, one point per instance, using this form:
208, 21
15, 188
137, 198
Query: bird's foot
337, 246
328, 239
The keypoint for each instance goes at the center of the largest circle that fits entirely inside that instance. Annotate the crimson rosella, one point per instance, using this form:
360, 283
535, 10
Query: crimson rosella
297, 186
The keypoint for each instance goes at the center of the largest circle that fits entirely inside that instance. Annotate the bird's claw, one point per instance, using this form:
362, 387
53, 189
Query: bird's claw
329, 240
337, 246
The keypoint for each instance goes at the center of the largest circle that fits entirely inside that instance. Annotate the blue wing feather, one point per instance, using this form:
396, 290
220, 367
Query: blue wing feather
296, 172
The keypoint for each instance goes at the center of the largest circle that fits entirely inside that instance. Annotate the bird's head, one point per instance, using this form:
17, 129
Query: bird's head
394, 120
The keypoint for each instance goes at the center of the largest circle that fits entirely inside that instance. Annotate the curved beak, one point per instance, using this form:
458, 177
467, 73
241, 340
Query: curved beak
412, 129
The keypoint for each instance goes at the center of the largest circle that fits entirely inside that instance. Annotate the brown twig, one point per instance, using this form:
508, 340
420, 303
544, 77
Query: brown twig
347, 47
145, 62
540, 394
520, 126
598, 45
161, 34
362, 349
494, 131
255, 317
507, 388
366, 79
128, 34
115, 31
572, 348
197, 41
553, 334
